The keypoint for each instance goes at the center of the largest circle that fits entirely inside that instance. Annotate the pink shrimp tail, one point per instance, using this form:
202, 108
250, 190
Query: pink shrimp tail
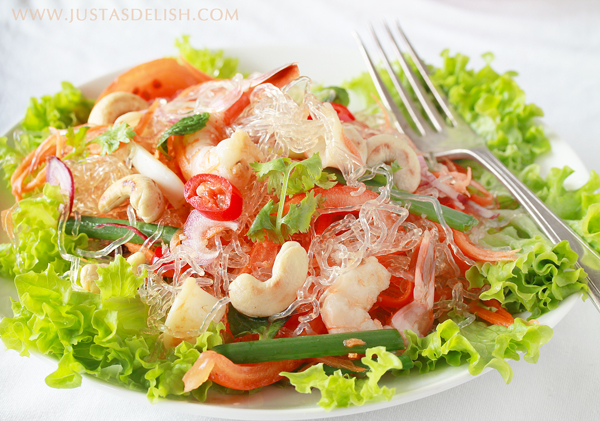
418, 315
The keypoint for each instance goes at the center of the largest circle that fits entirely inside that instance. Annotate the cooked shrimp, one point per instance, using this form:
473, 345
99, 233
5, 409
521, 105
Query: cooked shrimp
229, 158
351, 296
198, 153
342, 146
418, 315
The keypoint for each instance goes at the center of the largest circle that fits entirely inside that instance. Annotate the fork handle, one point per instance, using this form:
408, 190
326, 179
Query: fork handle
554, 227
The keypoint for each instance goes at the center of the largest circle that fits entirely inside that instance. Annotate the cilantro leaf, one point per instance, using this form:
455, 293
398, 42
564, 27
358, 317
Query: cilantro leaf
395, 166
299, 216
302, 175
287, 178
272, 171
112, 138
187, 125
306, 174
263, 223
241, 325
76, 140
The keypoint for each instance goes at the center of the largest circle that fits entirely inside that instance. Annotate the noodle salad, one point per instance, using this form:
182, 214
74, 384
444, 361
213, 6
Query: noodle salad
196, 231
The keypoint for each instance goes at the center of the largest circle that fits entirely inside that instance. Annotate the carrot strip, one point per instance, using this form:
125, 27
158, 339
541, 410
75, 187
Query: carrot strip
470, 250
499, 317
30, 164
486, 200
38, 181
134, 248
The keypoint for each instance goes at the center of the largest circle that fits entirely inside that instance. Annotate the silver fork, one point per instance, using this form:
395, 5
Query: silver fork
458, 141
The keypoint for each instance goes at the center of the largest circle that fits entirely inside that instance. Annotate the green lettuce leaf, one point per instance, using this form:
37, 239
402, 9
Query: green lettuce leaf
538, 280
341, 390
478, 344
35, 223
118, 280
213, 63
495, 107
102, 336
165, 378
62, 110
580, 207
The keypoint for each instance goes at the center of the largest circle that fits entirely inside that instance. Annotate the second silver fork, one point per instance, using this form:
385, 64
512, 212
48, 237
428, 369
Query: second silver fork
457, 140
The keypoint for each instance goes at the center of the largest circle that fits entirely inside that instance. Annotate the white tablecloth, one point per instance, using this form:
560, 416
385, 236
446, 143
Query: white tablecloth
555, 46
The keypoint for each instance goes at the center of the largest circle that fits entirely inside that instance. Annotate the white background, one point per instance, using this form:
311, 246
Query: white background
554, 45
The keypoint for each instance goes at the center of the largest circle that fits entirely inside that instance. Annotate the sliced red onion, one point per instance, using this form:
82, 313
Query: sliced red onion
198, 229
58, 174
481, 211
128, 227
431, 179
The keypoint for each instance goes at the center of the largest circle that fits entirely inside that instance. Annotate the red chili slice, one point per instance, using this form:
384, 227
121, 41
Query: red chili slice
343, 113
214, 197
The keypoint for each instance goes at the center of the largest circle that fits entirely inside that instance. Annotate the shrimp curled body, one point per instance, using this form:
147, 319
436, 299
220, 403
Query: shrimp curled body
205, 153
351, 296
418, 315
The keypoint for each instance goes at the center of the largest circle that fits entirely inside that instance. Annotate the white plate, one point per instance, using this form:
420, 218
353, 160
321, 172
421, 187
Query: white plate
328, 66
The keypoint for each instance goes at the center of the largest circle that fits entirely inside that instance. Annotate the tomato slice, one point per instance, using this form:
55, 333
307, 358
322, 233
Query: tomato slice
221, 370
399, 294
343, 113
317, 326
162, 78
262, 255
214, 197
339, 196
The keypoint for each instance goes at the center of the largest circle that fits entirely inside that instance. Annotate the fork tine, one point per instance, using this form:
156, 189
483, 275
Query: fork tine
432, 113
441, 99
404, 96
401, 123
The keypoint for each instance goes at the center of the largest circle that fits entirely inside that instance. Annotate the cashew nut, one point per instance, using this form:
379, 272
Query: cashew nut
132, 118
261, 299
189, 309
385, 148
88, 277
114, 105
143, 194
